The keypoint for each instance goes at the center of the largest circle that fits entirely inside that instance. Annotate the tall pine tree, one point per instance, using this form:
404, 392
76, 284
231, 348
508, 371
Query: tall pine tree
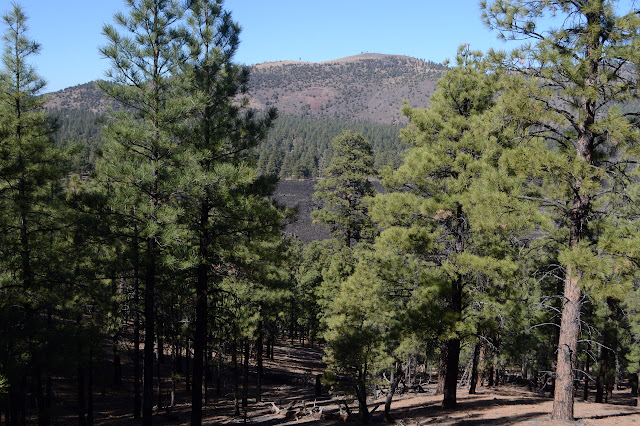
578, 137
220, 138
143, 161
344, 188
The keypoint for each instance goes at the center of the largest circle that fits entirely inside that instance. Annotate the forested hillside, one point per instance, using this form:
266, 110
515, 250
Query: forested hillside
487, 243
315, 102
294, 148
367, 87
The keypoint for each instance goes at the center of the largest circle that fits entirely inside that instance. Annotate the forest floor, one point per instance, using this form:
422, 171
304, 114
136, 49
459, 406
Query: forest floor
289, 385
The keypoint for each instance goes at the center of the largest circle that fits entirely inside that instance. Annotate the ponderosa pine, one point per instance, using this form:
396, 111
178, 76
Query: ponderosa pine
432, 200
227, 191
576, 76
143, 159
31, 170
344, 187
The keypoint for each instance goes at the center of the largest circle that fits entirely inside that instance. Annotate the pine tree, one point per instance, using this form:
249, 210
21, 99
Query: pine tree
431, 206
31, 170
143, 160
344, 188
577, 138
220, 141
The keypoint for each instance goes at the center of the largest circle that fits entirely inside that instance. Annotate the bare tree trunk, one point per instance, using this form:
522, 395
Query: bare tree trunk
137, 401
260, 367
234, 363
245, 377
90, 389
586, 379
474, 368
149, 333
481, 361
200, 337
442, 368
82, 403
115, 343
638, 391
602, 375
159, 376
394, 380
567, 348
187, 358
361, 395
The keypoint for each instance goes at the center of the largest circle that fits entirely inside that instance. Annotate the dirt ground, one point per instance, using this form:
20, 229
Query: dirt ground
504, 405
290, 383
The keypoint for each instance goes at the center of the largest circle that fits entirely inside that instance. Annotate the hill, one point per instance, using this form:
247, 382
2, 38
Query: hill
368, 87
316, 102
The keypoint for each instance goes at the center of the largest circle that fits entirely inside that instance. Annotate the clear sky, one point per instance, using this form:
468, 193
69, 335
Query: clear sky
308, 30
69, 31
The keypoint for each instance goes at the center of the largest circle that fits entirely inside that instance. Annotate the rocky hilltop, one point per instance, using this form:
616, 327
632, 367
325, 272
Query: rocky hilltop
367, 87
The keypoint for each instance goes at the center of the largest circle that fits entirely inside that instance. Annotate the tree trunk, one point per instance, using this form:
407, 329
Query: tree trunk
260, 367
236, 385
90, 388
474, 368
202, 316
453, 351
137, 401
394, 380
361, 395
602, 375
481, 362
451, 379
43, 417
159, 376
16, 411
149, 333
567, 348
638, 391
117, 366
442, 368
174, 372
585, 395
273, 344
82, 403
245, 376
187, 382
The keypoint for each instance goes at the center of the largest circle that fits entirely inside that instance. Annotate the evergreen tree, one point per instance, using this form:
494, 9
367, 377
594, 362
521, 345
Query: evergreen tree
143, 161
344, 188
432, 204
578, 138
221, 137
31, 170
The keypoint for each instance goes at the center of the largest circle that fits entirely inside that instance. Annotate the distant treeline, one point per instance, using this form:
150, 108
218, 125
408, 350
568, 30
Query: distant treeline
295, 148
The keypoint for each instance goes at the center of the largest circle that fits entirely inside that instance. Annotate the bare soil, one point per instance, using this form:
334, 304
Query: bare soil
290, 386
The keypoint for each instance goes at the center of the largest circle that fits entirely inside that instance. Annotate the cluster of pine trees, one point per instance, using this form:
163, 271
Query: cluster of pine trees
506, 238
172, 240
294, 147
510, 226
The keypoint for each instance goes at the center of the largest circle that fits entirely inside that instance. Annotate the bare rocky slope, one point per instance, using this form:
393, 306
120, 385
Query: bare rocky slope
367, 87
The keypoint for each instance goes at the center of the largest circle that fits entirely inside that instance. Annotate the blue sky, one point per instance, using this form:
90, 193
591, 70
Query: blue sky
308, 30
